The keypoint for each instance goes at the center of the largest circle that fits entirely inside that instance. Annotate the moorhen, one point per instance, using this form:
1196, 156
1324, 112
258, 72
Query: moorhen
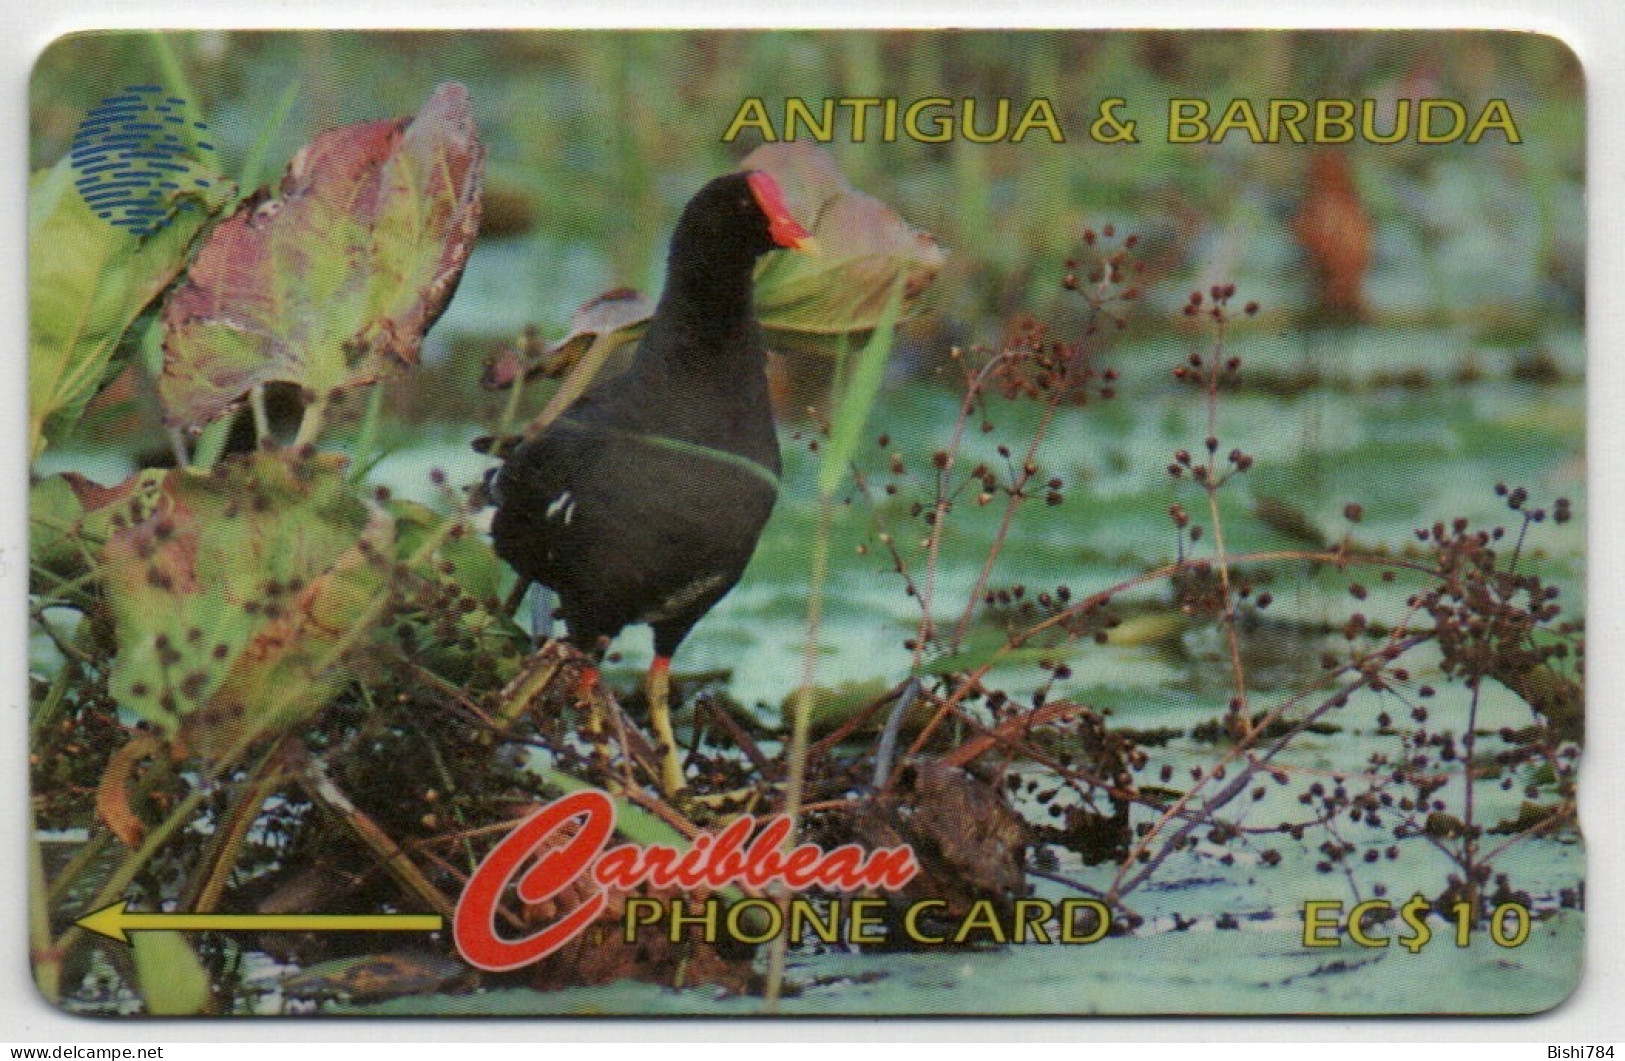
643, 502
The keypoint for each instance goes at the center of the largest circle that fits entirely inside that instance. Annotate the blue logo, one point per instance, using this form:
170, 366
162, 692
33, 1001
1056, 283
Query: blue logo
135, 152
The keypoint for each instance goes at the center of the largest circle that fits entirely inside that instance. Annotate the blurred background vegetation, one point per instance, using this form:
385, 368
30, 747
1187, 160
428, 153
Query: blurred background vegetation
597, 139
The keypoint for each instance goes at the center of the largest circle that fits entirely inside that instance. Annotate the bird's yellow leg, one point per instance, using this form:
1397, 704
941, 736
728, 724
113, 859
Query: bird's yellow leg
658, 690
587, 692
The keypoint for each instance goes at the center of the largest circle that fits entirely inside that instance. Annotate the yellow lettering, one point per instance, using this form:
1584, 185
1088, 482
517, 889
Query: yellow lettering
752, 115
1424, 121
1069, 918
911, 921
1001, 122
865, 921
1333, 114
705, 920
859, 106
797, 112
1039, 115
1239, 115
942, 128
1520, 925
1032, 912
982, 916
1313, 922
1187, 114
639, 912
1279, 119
803, 913
741, 912
1368, 130
1497, 115
1357, 928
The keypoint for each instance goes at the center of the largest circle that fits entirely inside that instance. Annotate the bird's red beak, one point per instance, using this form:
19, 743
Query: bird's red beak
785, 230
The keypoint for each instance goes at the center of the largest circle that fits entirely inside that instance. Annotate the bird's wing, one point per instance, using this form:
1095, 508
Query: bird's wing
538, 491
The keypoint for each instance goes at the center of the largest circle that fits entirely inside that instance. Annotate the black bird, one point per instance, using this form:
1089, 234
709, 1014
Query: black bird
643, 502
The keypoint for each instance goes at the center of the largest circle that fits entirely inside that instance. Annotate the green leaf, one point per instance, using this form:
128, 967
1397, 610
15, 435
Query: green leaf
1288, 520
858, 397
54, 512
235, 594
830, 706
70, 518
866, 250
465, 558
984, 644
333, 285
172, 979
89, 280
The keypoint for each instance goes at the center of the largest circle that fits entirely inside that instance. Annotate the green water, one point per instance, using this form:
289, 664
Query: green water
1409, 456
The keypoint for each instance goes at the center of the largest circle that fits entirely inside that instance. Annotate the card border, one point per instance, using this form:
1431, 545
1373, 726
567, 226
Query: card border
1595, 33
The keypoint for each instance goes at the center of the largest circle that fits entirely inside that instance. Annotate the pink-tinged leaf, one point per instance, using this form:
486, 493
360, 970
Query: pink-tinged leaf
618, 315
864, 248
606, 324
333, 282
236, 596
600, 329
